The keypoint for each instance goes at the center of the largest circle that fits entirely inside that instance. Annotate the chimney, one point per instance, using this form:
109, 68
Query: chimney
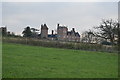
45, 25
52, 32
58, 25
73, 29
41, 25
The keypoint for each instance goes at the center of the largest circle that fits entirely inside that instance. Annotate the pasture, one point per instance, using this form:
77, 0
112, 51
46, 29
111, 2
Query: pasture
23, 61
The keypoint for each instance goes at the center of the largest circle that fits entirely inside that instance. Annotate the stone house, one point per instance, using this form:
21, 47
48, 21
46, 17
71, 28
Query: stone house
3, 30
52, 36
62, 34
44, 31
73, 36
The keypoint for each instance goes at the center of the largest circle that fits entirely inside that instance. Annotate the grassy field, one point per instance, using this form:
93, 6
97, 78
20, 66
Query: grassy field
22, 61
0, 59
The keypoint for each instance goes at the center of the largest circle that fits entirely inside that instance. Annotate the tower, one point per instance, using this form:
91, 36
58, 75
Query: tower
3, 31
61, 32
44, 31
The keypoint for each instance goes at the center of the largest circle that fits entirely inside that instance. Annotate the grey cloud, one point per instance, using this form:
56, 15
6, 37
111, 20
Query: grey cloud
82, 16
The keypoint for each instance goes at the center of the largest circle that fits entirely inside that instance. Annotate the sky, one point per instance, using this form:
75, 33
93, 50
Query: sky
79, 15
60, 0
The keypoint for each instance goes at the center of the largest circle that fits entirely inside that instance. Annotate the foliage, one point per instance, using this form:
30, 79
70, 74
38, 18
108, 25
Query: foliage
3, 31
34, 32
89, 37
27, 32
106, 43
57, 44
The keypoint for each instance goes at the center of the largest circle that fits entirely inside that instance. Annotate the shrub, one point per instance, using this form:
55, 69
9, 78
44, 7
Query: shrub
106, 43
58, 44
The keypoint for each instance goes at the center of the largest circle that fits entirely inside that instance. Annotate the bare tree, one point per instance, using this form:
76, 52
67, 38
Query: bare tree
107, 30
118, 36
89, 37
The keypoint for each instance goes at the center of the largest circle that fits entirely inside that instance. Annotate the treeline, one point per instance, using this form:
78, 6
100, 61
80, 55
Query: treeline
104, 37
64, 45
106, 33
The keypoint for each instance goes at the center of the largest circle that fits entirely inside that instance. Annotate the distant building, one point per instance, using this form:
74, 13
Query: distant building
52, 36
3, 30
73, 36
65, 35
62, 34
44, 31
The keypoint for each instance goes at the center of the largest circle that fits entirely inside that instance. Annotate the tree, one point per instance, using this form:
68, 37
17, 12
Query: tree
107, 30
118, 36
34, 32
89, 37
11, 34
3, 31
27, 32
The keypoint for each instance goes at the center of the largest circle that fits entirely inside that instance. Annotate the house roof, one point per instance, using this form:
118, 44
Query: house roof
77, 34
44, 26
52, 36
62, 27
70, 33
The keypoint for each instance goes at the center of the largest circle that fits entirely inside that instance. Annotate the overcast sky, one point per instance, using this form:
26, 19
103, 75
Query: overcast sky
80, 15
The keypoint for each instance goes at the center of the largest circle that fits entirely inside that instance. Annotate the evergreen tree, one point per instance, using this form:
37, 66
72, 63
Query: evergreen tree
27, 32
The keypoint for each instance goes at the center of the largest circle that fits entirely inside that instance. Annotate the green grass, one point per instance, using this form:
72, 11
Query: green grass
0, 59
22, 61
